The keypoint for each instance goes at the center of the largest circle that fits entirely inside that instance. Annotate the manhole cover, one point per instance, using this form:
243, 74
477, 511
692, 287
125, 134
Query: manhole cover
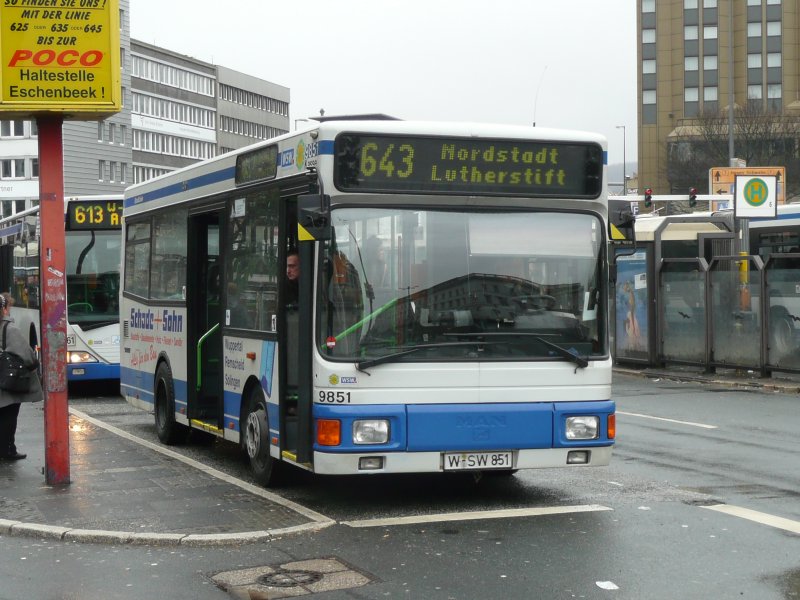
289, 578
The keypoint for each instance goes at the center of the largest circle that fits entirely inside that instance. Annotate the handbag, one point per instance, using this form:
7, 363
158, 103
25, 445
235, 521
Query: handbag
15, 377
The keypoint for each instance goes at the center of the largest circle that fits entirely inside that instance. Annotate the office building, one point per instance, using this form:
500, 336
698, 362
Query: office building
684, 74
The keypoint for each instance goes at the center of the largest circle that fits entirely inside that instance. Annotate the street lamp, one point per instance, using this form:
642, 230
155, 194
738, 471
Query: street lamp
624, 166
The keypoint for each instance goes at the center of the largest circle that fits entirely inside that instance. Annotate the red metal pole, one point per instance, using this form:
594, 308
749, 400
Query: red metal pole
52, 269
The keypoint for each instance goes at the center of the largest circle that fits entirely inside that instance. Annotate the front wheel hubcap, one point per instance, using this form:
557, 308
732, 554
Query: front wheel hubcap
253, 441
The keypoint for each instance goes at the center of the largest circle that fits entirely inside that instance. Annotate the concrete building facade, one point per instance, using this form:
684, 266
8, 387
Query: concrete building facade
685, 69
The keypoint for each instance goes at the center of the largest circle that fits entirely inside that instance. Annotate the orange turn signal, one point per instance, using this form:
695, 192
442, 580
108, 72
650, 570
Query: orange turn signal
612, 426
329, 432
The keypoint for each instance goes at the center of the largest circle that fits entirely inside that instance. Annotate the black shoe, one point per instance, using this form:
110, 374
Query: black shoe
14, 456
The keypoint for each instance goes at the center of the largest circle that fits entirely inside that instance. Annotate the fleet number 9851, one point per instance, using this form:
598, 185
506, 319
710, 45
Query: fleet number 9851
331, 397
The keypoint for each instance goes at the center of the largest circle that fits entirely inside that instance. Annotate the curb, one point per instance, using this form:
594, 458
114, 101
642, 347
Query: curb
772, 386
100, 536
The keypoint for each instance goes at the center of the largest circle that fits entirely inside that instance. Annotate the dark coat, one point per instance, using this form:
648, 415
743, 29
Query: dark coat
16, 343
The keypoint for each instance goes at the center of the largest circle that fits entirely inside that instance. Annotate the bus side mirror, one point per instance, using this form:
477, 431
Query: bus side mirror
313, 217
621, 222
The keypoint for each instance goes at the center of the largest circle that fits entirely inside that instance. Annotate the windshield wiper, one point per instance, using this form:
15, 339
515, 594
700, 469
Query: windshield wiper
569, 353
371, 362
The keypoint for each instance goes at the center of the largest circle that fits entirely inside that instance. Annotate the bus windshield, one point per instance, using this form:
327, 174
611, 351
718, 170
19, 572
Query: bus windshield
93, 278
420, 285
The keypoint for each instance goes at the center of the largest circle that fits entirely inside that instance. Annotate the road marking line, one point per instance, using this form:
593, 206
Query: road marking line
319, 519
758, 517
477, 515
690, 423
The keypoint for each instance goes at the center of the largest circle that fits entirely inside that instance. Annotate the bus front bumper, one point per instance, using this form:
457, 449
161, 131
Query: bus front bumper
436, 462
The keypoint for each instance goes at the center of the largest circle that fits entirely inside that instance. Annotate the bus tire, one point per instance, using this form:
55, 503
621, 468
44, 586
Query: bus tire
256, 439
781, 332
169, 431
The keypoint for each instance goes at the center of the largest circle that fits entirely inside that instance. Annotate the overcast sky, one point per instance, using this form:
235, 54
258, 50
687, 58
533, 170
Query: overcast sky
560, 63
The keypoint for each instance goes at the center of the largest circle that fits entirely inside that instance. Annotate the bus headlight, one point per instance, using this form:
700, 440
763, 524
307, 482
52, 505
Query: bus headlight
80, 357
583, 428
373, 431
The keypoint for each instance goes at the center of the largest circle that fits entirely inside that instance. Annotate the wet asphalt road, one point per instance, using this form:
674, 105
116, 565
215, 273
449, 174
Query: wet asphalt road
682, 447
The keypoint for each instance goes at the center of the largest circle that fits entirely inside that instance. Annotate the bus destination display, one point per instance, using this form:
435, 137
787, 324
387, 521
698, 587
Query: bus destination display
378, 163
100, 214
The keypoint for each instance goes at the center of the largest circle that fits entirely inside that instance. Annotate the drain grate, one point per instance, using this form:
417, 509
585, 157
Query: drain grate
282, 578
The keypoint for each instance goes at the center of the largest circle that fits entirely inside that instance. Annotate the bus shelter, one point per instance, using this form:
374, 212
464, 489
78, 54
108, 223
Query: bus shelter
683, 296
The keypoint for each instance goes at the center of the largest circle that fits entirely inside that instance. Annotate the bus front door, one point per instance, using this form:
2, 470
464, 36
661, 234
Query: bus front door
204, 310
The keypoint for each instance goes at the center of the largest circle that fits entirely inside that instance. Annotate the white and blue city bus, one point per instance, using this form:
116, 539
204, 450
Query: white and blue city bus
451, 312
92, 241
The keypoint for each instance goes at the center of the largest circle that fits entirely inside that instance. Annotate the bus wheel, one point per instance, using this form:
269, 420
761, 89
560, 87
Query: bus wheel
781, 330
256, 439
169, 431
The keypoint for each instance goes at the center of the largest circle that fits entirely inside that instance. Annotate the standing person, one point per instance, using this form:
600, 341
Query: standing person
292, 277
10, 401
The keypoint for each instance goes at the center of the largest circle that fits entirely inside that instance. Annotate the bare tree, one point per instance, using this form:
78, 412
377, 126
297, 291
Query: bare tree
761, 138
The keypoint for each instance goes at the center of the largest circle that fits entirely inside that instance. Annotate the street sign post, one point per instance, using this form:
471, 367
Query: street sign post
722, 180
58, 59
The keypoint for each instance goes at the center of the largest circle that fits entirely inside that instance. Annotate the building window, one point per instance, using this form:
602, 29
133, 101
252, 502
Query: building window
710, 63
690, 32
690, 63
12, 128
753, 61
774, 2
648, 6
709, 3
648, 67
35, 168
689, 4
753, 2
754, 30
710, 94
12, 168
710, 33
773, 28
691, 94
754, 92
774, 59
101, 169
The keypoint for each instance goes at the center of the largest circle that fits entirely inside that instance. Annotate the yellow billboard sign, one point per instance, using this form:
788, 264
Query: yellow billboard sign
60, 56
722, 180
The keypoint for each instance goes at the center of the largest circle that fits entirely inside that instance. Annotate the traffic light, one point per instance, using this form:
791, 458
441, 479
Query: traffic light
648, 198
693, 197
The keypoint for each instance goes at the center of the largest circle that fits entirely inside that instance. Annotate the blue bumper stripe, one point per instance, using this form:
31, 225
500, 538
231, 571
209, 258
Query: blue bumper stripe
92, 371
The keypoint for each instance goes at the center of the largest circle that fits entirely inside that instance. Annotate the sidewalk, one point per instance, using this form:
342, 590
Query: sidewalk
787, 383
125, 492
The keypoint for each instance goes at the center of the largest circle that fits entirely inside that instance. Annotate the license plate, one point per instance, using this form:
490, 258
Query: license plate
78, 372
458, 461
